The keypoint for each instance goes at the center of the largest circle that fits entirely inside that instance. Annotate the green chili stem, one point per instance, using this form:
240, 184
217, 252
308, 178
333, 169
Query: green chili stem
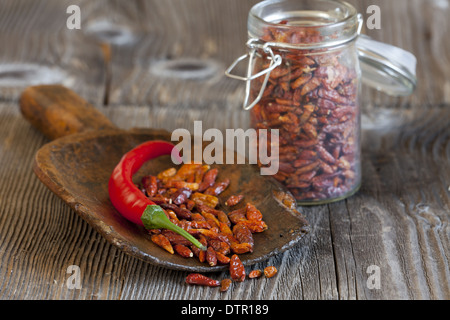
155, 218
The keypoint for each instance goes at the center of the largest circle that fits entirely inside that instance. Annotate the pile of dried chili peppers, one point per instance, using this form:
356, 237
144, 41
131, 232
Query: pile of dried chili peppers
188, 196
181, 210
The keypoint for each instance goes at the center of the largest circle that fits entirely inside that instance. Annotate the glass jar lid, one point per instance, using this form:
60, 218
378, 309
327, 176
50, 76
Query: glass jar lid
385, 67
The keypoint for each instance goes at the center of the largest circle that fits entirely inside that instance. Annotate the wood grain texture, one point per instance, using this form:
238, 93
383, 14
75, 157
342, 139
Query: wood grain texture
399, 221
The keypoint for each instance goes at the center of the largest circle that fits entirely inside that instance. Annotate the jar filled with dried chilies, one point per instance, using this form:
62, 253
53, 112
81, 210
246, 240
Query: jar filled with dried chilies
304, 79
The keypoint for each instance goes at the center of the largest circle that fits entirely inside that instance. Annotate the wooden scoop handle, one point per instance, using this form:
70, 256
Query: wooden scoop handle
57, 111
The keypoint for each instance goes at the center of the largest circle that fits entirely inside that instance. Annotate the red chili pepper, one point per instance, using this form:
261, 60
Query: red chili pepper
201, 280
132, 202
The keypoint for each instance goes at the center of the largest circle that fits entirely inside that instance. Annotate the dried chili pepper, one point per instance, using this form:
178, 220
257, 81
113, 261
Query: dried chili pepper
255, 274
163, 242
202, 253
237, 215
222, 258
166, 174
211, 257
201, 280
237, 270
225, 284
150, 185
217, 188
181, 195
252, 213
183, 251
181, 213
130, 201
270, 271
208, 180
205, 199
234, 200
240, 248
175, 238
243, 235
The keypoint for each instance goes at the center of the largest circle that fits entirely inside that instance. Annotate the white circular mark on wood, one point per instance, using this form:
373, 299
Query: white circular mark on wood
20, 75
107, 31
440, 4
186, 68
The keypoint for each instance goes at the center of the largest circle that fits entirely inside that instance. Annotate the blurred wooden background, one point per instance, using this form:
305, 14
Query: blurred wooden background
399, 221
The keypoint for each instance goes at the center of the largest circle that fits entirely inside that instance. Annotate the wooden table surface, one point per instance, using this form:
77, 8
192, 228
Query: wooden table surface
396, 226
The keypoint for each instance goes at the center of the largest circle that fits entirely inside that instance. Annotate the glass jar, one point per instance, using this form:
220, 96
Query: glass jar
304, 80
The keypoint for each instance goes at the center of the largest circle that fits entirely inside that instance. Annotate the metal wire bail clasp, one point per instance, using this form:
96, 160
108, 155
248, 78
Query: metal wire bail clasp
275, 62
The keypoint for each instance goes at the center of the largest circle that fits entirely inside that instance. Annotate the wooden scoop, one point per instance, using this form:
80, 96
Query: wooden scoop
86, 147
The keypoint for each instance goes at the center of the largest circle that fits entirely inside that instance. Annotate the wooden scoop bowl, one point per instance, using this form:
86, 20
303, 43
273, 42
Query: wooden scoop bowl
86, 147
